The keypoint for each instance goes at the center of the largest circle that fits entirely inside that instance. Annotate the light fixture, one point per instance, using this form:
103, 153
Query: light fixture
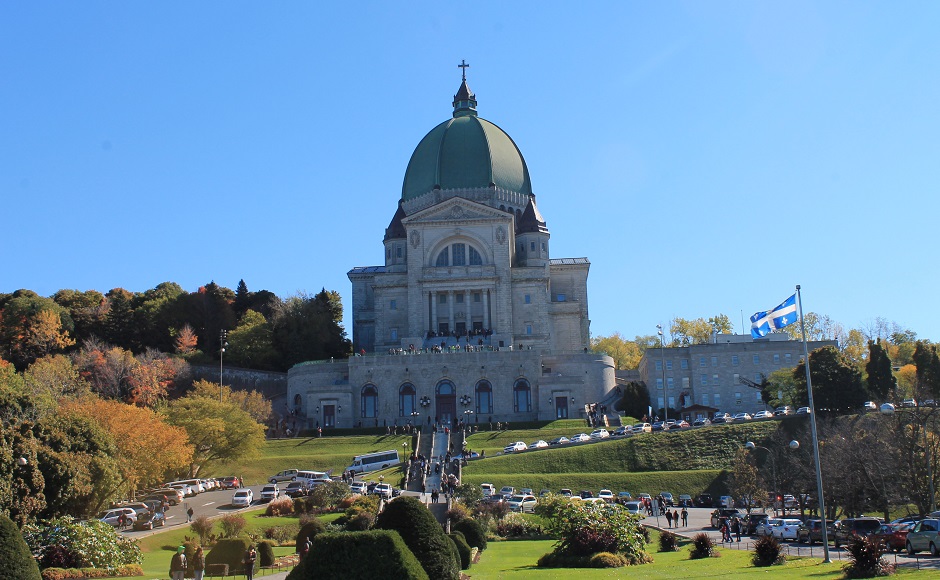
22, 461
339, 409
318, 409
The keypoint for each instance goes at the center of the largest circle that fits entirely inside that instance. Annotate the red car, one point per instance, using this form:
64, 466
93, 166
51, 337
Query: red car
894, 536
230, 482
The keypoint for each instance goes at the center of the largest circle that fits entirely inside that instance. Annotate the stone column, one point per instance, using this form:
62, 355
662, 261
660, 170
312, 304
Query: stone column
466, 298
433, 324
450, 309
486, 308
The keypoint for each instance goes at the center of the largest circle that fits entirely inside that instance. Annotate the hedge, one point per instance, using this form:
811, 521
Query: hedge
357, 555
81, 573
230, 551
423, 535
473, 532
463, 549
18, 562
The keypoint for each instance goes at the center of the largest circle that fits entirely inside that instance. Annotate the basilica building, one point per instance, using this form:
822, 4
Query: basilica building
470, 318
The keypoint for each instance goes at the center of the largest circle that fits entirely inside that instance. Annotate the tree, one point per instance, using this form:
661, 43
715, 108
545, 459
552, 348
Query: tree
635, 401
86, 309
626, 353
251, 343
252, 402
218, 431
147, 445
32, 326
688, 332
907, 380
837, 383
928, 370
745, 483
881, 381
186, 340
119, 323
782, 388
309, 329
721, 324
242, 299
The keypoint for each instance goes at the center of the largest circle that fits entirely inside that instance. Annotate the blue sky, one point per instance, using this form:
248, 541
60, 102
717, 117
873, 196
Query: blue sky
706, 156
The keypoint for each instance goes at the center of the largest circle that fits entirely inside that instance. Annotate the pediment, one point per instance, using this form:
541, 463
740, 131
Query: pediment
457, 210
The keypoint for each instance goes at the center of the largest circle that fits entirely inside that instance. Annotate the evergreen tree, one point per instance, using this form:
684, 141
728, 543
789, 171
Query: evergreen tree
928, 369
242, 299
881, 380
837, 383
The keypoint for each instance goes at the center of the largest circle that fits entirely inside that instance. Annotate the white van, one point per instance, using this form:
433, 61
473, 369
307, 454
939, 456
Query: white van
488, 489
309, 477
286, 475
374, 461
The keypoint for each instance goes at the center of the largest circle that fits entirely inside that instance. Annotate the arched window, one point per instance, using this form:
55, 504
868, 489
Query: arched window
484, 396
442, 258
521, 397
406, 400
298, 404
475, 258
459, 254
445, 388
369, 402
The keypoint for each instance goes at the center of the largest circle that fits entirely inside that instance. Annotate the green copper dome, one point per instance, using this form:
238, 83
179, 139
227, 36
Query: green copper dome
465, 152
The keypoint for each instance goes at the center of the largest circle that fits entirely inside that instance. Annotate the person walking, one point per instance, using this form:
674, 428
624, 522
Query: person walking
189, 515
685, 517
178, 564
668, 518
675, 517
737, 529
199, 564
249, 562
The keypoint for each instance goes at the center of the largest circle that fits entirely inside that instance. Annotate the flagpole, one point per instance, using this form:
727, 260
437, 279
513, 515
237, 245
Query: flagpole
812, 422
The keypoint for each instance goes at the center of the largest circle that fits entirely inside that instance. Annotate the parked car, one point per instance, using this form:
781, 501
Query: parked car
766, 527
811, 531
787, 530
724, 513
517, 446
488, 489
624, 496
845, 530
507, 490
270, 492
585, 494
286, 475
701, 422
642, 428
703, 500
522, 503
559, 440
667, 498
538, 444
685, 500
243, 497
803, 411
150, 520
742, 417
721, 417
580, 437
599, 434
622, 431
659, 426
606, 495
751, 522
112, 517
894, 536
681, 424
634, 507
383, 490
763, 415
139, 507
230, 482
526, 491
299, 489
869, 406
565, 492
909, 403
925, 535
783, 411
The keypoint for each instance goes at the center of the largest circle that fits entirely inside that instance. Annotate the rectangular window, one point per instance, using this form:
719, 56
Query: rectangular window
476, 296
715, 381
459, 298
705, 399
787, 358
757, 359
734, 360
759, 398
398, 252
393, 305
394, 334
717, 403
543, 246
528, 329
659, 365
737, 398
704, 381
562, 297
668, 365
459, 254
442, 298
776, 359
532, 246
736, 379
684, 364
702, 362
659, 384
528, 299
672, 402
714, 361
669, 383
660, 401
685, 382
758, 378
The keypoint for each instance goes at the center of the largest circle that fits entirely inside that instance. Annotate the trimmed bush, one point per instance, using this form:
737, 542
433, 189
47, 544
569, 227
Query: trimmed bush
309, 529
767, 552
18, 562
463, 549
265, 553
423, 535
232, 525
281, 534
865, 559
83, 573
472, 531
229, 551
607, 560
702, 547
668, 542
516, 525
357, 554
280, 507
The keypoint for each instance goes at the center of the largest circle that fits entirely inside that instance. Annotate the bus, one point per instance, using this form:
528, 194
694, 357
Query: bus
373, 461
309, 477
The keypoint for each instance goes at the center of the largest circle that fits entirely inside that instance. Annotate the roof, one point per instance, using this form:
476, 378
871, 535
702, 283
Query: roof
568, 261
367, 270
395, 229
531, 220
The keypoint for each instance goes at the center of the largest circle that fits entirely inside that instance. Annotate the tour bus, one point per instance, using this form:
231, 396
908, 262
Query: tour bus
373, 461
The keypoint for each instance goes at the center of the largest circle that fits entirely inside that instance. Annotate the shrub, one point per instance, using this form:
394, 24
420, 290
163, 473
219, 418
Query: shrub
301, 505
308, 529
18, 562
767, 552
457, 512
232, 525
585, 529
202, 526
92, 544
347, 501
362, 522
668, 542
328, 495
493, 511
280, 534
517, 525
82, 573
362, 504
189, 549
645, 532
355, 555
265, 553
865, 559
702, 547
280, 507
423, 535
472, 531
607, 560
463, 549
229, 551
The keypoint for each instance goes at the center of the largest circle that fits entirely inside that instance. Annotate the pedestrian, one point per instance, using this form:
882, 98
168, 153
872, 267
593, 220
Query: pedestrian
189, 514
724, 531
675, 517
249, 562
685, 517
669, 518
178, 564
305, 548
199, 564
737, 529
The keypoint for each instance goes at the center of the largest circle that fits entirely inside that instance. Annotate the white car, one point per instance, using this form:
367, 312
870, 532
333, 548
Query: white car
112, 517
539, 444
507, 490
766, 527
488, 489
243, 498
634, 507
270, 492
763, 415
642, 428
600, 434
383, 490
803, 411
517, 446
358, 487
522, 503
787, 529
606, 495
742, 417
580, 437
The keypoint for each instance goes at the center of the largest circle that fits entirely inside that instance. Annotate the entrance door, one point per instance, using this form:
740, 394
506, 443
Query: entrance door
561, 407
446, 409
329, 415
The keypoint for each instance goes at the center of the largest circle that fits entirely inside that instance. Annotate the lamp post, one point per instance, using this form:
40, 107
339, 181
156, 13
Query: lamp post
750, 446
662, 363
890, 409
404, 448
223, 342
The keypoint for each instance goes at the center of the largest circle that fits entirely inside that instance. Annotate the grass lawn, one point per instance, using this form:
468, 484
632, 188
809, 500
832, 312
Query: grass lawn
316, 453
516, 560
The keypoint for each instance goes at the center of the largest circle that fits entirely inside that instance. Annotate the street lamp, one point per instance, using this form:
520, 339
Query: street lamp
404, 448
750, 446
890, 409
223, 342
662, 363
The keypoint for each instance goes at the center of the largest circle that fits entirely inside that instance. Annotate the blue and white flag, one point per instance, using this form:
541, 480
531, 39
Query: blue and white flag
780, 317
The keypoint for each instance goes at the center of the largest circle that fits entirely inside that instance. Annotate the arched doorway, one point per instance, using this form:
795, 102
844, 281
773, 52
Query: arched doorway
446, 403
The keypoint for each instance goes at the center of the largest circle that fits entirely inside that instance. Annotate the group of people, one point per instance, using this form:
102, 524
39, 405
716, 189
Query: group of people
727, 527
179, 563
672, 518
